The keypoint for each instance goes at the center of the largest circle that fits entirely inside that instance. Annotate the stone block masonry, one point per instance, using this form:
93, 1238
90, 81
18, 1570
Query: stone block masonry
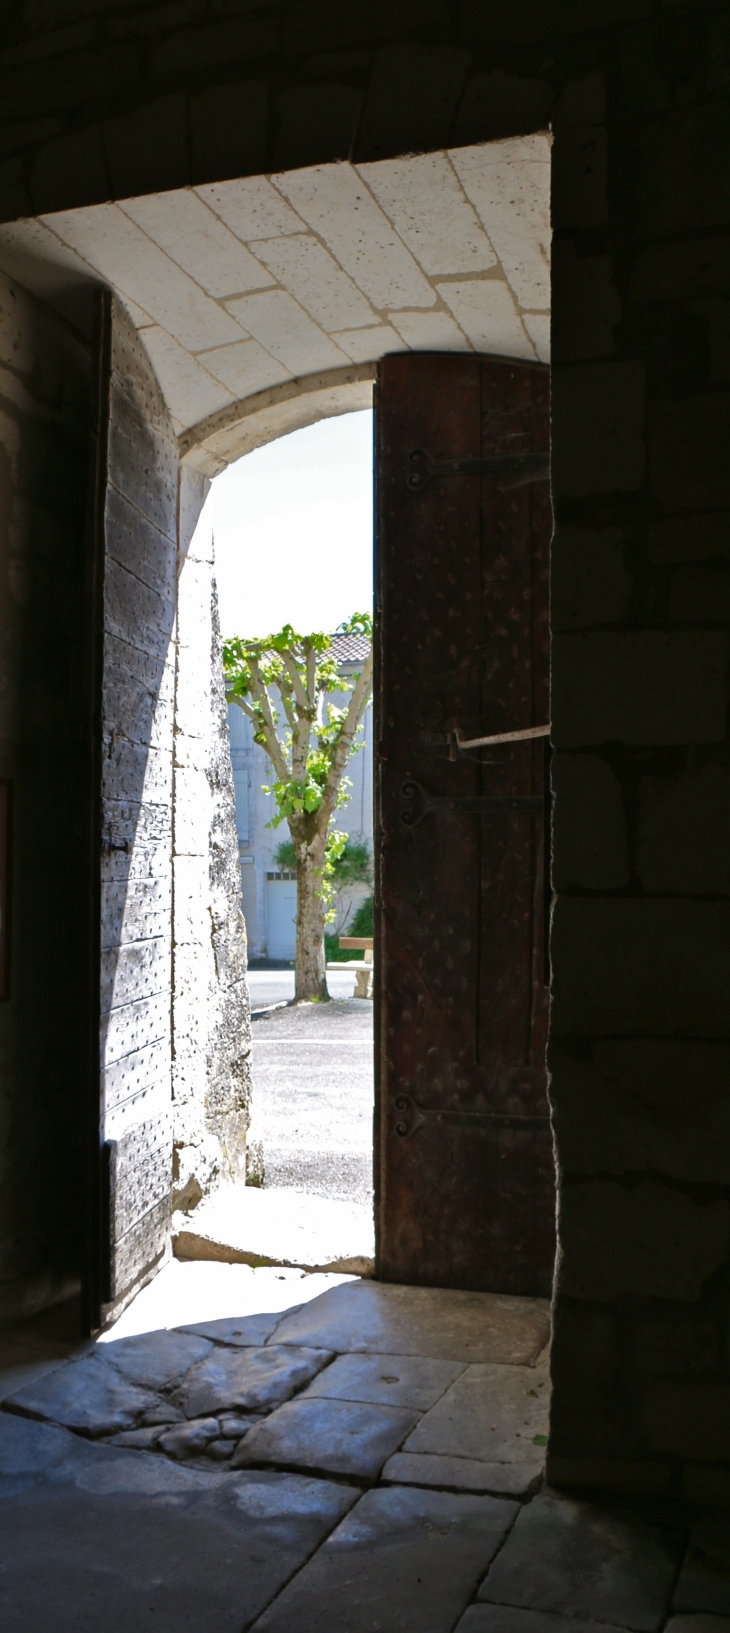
228, 1074
640, 1022
211, 1018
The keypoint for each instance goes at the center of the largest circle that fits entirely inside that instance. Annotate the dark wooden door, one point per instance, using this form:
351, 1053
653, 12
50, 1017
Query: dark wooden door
133, 549
465, 1183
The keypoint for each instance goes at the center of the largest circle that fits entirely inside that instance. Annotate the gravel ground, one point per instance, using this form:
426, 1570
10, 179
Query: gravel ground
313, 1091
268, 987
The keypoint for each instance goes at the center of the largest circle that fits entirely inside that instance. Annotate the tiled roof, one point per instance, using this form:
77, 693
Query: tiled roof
350, 648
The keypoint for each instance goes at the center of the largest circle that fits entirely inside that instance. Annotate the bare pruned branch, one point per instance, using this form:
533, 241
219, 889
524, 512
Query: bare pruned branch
311, 661
303, 703
241, 703
274, 747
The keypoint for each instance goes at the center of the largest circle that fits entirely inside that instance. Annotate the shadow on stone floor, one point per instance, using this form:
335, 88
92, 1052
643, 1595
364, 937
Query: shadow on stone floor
369, 1460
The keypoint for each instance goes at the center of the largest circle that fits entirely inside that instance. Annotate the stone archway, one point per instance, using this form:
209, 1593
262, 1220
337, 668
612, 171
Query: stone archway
252, 294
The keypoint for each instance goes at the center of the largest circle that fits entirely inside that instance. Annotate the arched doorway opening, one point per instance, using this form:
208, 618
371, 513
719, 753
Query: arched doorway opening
259, 305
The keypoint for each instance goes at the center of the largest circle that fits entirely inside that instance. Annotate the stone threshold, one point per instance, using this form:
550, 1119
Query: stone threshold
242, 1224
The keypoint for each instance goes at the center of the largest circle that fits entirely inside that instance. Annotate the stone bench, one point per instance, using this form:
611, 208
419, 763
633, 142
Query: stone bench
363, 967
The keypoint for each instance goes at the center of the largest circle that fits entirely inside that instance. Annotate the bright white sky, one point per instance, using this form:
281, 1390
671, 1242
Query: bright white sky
293, 528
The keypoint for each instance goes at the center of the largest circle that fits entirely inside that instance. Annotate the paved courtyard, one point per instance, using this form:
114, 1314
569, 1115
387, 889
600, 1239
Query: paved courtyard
313, 1113
313, 1087
369, 1460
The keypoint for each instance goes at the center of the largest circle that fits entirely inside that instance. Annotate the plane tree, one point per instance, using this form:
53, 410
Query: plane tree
285, 683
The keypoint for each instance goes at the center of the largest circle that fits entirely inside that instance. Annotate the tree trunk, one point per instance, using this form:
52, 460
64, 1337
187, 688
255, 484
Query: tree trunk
311, 977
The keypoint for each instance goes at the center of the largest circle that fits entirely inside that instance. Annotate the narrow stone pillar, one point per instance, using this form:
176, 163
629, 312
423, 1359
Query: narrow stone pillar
228, 1073
211, 1023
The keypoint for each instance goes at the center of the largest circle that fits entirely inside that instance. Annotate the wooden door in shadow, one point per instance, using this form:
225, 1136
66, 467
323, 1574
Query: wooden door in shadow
465, 1190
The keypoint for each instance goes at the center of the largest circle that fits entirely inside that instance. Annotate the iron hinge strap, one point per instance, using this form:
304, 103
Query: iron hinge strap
466, 804
519, 469
411, 1116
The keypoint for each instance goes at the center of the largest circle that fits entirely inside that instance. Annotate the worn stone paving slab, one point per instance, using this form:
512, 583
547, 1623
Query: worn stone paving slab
164, 1412
190, 1439
28, 1448
155, 1360
93, 1538
385, 1380
43, 1344
56, 1330
85, 1395
441, 1323
463, 1474
251, 1379
403, 1561
221, 1450
701, 1622
505, 1619
141, 1439
582, 1560
21, 1365
704, 1582
248, 1330
338, 1437
498, 1414
234, 1424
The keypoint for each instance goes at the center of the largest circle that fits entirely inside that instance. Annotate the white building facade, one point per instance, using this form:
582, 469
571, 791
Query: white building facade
270, 892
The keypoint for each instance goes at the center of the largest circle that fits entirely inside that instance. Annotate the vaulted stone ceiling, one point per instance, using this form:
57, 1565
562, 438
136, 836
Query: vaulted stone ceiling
244, 289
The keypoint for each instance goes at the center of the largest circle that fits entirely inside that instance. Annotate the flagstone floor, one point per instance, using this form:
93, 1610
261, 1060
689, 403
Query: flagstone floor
367, 1461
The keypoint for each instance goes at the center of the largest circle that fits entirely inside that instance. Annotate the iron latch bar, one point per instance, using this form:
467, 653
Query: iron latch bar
522, 468
501, 737
464, 804
411, 1116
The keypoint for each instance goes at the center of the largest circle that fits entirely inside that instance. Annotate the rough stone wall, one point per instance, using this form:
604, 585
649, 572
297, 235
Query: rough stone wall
44, 408
228, 1097
640, 1031
99, 103
211, 1026
640, 601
